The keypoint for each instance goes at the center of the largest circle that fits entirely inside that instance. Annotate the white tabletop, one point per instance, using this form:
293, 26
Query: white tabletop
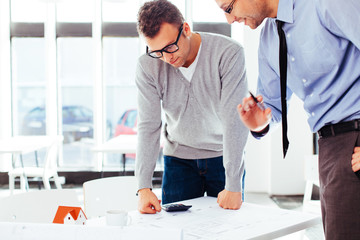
24, 144
37, 231
206, 220
119, 144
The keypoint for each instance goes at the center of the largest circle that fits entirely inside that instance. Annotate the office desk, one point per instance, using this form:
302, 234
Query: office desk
34, 231
122, 144
24, 144
19, 145
205, 220
119, 144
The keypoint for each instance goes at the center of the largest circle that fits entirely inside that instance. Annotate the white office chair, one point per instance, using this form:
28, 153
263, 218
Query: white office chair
312, 179
109, 193
36, 206
48, 171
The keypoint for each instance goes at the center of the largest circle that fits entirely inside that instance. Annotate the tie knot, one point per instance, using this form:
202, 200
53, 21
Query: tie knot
279, 25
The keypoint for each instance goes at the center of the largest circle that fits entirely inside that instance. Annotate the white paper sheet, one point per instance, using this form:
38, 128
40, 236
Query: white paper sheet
206, 220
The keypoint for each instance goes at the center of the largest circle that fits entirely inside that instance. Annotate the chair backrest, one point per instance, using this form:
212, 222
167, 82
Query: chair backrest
36, 206
311, 168
109, 193
51, 153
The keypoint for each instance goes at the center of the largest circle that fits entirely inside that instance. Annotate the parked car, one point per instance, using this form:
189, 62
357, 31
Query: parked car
127, 123
77, 123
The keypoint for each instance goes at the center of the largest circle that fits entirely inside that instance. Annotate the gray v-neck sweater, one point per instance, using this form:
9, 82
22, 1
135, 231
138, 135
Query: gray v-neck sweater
201, 119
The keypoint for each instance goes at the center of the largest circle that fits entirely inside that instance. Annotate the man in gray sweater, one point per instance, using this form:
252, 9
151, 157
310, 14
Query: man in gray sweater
197, 80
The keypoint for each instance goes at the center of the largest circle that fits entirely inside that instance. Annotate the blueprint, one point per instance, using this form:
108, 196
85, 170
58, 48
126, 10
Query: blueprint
206, 220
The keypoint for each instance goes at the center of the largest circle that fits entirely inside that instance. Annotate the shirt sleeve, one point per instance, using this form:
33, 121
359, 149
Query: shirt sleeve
234, 89
149, 128
341, 18
261, 134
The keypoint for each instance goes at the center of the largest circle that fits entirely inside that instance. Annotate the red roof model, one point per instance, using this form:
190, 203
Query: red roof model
70, 215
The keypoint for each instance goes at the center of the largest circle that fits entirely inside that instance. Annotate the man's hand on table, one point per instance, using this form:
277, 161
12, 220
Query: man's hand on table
148, 202
229, 200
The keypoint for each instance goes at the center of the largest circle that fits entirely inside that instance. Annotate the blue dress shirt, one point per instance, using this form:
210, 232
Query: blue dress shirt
323, 41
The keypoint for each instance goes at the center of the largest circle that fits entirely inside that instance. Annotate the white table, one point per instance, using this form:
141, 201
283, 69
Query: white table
37, 231
122, 144
24, 144
119, 144
19, 145
206, 220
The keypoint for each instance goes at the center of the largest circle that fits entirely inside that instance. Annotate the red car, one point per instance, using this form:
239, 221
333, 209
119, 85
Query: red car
127, 124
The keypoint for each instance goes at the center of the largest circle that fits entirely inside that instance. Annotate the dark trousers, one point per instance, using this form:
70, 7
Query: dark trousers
186, 179
339, 187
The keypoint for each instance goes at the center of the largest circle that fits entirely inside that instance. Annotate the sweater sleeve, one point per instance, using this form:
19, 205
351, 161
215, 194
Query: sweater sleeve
234, 89
149, 128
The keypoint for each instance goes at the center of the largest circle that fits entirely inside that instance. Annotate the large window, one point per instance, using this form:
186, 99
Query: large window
75, 74
28, 11
120, 56
55, 52
28, 71
29, 86
28, 90
211, 20
121, 49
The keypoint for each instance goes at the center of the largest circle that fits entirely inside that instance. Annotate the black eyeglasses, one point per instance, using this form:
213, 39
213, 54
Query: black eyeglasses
230, 7
171, 48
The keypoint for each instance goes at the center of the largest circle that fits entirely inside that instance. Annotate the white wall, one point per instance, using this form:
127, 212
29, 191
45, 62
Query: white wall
266, 170
287, 175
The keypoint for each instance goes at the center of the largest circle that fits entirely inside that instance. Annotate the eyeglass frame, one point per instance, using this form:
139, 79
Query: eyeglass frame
163, 49
229, 9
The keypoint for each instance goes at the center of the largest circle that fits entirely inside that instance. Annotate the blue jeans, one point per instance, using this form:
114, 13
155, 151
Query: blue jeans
186, 179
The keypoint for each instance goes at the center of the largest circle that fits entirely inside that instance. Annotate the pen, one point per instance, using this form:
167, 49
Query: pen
259, 104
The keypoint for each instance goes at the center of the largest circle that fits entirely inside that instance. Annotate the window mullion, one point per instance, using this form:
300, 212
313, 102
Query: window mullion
99, 105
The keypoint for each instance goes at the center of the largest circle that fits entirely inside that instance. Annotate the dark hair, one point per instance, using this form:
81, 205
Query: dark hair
154, 13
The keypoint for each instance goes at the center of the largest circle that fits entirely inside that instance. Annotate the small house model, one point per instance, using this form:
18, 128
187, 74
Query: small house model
70, 215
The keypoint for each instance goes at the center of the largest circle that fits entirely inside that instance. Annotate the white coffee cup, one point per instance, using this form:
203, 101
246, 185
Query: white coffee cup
117, 218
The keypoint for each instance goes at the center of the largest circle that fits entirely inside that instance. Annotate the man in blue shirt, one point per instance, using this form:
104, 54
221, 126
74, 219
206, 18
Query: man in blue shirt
323, 69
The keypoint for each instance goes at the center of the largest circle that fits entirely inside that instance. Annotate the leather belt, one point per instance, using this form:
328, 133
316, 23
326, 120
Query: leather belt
339, 128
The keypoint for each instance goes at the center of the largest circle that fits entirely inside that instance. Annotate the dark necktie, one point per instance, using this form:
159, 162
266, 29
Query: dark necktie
283, 73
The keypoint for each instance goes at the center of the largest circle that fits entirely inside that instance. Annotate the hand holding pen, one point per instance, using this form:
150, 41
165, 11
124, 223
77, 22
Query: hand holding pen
259, 104
253, 113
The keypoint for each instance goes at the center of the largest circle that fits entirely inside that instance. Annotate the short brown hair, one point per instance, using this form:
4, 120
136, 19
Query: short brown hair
154, 13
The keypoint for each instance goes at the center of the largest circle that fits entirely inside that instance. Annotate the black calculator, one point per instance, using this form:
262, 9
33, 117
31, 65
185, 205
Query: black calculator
174, 207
